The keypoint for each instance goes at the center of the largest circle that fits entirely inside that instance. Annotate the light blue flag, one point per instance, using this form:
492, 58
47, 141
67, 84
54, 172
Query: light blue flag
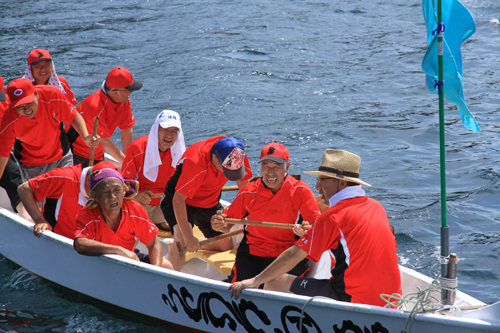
459, 26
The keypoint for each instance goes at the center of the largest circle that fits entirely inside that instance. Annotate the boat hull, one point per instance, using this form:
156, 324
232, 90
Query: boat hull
201, 304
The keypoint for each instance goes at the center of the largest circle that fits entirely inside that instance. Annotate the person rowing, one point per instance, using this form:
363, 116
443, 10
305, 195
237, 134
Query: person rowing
275, 197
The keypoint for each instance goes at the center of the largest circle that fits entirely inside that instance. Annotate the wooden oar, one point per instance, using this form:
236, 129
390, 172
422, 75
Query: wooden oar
94, 134
261, 223
208, 241
153, 195
236, 188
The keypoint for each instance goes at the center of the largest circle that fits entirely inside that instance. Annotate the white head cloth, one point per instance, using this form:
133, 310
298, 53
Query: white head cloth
53, 80
167, 118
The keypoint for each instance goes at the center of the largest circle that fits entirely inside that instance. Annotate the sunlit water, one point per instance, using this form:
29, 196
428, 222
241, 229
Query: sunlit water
310, 74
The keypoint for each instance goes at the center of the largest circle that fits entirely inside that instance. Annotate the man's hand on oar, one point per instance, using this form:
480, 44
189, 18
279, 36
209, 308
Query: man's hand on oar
218, 223
207, 241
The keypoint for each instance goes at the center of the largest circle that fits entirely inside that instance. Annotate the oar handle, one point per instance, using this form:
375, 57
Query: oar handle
153, 195
208, 241
261, 223
94, 134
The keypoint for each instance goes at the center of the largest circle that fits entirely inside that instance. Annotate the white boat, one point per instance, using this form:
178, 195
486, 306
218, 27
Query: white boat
197, 300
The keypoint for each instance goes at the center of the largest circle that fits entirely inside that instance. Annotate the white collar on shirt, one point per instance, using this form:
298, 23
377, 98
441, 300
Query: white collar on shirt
347, 193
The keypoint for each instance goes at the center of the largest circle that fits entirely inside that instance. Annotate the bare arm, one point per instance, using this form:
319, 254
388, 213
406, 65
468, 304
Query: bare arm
112, 149
29, 201
79, 125
179, 203
155, 252
127, 136
241, 183
91, 247
284, 263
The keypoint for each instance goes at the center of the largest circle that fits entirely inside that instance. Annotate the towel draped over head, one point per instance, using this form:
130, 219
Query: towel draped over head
131, 186
167, 118
53, 80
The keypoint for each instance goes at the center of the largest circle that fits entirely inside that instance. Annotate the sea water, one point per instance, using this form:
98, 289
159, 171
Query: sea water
309, 74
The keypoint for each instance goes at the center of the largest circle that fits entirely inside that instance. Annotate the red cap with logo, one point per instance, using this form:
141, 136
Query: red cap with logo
275, 152
38, 55
2, 93
106, 165
121, 78
20, 91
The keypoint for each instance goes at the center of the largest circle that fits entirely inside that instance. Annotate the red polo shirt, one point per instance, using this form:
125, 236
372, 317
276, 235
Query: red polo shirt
133, 168
135, 222
62, 184
111, 115
200, 181
40, 135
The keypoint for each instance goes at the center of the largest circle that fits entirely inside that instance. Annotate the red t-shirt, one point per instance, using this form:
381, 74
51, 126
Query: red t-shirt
200, 181
357, 233
111, 115
294, 199
40, 135
135, 222
133, 168
69, 93
62, 184
4, 106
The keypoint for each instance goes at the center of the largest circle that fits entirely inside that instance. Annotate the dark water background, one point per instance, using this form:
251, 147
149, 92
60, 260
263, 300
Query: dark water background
310, 74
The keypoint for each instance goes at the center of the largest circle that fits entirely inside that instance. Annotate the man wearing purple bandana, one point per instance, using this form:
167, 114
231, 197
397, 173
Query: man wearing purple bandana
109, 224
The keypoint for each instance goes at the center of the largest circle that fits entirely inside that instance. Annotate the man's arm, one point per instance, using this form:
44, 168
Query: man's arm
284, 263
79, 125
3, 164
179, 203
29, 201
127, 136
242, 183
112, 149
155, 251
91, 247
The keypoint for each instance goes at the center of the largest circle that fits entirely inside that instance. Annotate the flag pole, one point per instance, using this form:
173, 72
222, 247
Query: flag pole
445, 244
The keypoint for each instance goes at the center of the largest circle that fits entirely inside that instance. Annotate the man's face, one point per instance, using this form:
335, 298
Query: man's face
28, 109
109, 194
42, 71
119, 95
273, 174
167, 137
327, 187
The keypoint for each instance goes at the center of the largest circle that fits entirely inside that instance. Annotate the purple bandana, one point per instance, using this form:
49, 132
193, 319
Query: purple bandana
131, 186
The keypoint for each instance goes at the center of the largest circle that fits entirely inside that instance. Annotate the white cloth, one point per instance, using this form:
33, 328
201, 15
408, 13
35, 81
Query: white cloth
152, 159
53, 80
83, 196
347, 193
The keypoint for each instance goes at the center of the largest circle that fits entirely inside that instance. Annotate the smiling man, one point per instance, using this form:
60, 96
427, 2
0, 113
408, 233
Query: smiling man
152, 159
275, 197
112, 105
33, 124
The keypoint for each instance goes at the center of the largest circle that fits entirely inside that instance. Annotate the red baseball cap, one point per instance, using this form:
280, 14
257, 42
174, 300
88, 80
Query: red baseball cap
2, 93
120, 78
106, 165
275, 152
38, 55
20, 91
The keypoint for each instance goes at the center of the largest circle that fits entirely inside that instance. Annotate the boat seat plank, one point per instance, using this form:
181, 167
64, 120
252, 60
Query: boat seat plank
222, 261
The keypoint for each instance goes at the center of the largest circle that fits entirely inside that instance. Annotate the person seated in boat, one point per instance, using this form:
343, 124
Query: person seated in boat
32, 126
41, 70
109, 224
356, 231
64, 192
11, 177
192, 194
112, 105
152, 159
275, 197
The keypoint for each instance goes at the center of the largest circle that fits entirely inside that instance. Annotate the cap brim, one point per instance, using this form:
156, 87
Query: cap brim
234, 175
2, 96
24, 100
274, 159
136, 85
38, 60
333, 175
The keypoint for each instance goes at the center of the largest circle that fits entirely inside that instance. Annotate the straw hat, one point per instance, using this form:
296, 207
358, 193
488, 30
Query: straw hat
340, 164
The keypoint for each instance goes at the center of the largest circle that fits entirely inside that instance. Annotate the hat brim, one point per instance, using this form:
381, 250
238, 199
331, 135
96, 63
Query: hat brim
136, 85
24, 100
274, 159
3, 97
38, 60
334, 175
234, 175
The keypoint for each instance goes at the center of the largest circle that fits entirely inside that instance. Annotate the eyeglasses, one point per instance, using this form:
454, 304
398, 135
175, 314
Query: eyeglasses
171, 132
126, 90
319, 179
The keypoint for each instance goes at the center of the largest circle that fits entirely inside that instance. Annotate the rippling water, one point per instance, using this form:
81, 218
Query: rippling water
310, 74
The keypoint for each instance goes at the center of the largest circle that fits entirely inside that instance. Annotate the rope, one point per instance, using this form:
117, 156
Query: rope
438, 84
304, 308
439, 30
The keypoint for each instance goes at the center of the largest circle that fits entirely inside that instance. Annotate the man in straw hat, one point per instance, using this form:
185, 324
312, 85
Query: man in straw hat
356, 231
109, 224
152, 159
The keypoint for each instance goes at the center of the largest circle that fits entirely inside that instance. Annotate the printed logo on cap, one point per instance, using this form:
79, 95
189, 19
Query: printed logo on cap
270, 151
235, 159
18, 92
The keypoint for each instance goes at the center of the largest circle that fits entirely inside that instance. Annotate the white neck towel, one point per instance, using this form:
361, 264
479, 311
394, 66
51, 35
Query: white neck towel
347, 193
83, 196
53, 80
167, 118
